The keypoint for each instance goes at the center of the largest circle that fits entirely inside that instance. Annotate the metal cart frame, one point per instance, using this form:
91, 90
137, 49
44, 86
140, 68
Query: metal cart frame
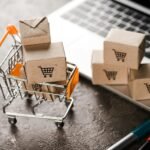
12, 88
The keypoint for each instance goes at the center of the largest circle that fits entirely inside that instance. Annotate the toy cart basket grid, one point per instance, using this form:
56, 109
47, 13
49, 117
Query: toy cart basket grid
11, 87
120, 55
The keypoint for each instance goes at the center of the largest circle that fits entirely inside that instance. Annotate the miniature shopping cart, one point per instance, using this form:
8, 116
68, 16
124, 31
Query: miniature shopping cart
147, 86
110, 74
119, 55
13, 87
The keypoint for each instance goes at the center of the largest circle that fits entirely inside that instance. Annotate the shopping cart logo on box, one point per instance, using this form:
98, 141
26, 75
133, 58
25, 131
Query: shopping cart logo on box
12, 86
147, 86
47, 71
111, 75
120, 56
37, 87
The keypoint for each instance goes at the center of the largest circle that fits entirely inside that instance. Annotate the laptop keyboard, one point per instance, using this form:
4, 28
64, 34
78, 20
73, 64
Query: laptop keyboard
100, 16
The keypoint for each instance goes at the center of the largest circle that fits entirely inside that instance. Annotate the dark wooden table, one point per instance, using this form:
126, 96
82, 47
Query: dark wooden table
99, 117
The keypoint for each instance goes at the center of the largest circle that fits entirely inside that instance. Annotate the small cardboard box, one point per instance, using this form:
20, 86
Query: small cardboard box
139, 82
124, 48
46, 65
35, 33
107, 73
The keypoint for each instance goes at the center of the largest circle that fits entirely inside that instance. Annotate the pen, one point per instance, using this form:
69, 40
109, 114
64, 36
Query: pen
137, 133
146, 145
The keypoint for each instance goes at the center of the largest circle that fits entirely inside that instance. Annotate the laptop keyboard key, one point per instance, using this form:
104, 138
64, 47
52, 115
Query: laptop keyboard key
130, 29
135, 23
126, 19
147, 45
75, 20
112, 5
89, 3
78, 14
121, 25
86, 9
101, 23
148, 37
92, 28
129, 12
83, 24
103, 2
120, 9
117, 16
112, 21
96, 13
108, 28
138, 16
104, 17
146, 20
144, 27
109, 12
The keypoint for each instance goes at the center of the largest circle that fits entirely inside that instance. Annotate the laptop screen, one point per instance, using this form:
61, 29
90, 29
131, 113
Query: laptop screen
145, 3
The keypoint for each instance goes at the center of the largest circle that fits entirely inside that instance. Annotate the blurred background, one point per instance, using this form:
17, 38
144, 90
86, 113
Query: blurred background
13, 11
98, 119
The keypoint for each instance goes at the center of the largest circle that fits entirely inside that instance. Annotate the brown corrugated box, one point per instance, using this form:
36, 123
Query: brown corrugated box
45, 65
107, 73
139, 82
35, 33
124, 48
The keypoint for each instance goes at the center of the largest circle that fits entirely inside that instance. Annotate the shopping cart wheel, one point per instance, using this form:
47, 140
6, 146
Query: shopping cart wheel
12, 121
28, 95
59, 124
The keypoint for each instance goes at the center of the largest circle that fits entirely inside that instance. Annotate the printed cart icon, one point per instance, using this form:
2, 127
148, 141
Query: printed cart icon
37, 87
110, 74
120, 55
47, 71
148, 86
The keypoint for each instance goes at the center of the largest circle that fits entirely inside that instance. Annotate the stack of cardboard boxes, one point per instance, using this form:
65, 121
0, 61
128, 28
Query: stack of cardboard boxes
120, 63
44, 61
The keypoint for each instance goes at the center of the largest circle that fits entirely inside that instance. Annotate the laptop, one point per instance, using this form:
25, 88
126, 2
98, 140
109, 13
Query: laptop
83, 24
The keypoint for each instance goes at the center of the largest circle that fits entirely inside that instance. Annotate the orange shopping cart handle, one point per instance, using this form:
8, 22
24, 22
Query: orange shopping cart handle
3, 38
11, 29
73, 82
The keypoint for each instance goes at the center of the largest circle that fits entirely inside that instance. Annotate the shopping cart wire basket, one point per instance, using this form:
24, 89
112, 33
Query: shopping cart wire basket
13, 87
